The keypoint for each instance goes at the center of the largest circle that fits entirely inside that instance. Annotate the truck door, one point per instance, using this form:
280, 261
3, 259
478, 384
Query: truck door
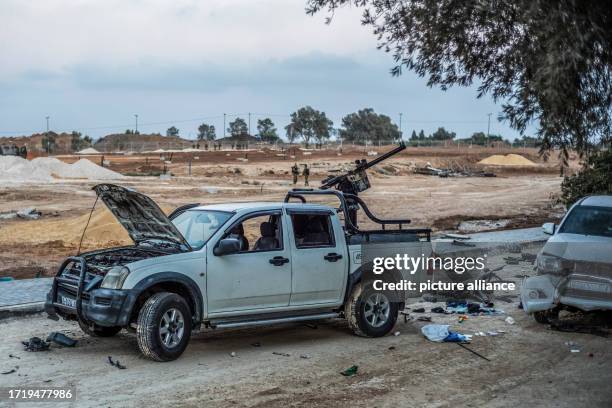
257, 277
319, 257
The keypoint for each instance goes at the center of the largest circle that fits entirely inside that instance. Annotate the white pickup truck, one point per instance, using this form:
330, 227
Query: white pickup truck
224, 265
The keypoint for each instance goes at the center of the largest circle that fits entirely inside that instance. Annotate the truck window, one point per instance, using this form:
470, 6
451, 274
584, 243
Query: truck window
312, 230
586, 220
259, 233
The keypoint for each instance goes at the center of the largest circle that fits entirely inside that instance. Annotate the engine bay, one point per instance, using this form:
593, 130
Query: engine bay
100, 262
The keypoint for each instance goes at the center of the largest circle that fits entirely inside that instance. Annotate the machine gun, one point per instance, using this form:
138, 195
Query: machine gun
356, 180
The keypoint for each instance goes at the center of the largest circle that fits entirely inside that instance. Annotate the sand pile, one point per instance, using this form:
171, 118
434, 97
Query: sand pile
507, 160
41, 169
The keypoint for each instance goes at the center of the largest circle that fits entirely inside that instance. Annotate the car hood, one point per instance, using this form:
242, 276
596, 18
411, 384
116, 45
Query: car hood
139, 215
577, 247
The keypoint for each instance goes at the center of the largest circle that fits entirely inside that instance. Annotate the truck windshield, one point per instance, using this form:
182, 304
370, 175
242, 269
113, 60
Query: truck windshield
197, 226
589, 221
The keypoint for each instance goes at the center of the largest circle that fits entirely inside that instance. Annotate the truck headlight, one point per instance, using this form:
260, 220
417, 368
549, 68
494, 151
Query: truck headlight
115, 277
550, 264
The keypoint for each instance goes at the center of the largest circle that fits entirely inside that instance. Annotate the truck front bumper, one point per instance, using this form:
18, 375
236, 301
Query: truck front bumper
104, 307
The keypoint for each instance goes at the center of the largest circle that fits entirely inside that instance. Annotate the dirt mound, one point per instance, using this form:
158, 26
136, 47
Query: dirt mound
45, 169
103, 231
507, 160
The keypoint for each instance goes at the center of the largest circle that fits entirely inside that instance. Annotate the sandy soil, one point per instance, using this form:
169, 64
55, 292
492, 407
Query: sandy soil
530, 365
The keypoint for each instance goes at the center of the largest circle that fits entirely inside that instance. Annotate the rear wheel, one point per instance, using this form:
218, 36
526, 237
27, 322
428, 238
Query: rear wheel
164, 326
98, 331
370, 313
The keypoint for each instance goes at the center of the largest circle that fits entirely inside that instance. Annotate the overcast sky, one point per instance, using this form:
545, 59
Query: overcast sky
92, 64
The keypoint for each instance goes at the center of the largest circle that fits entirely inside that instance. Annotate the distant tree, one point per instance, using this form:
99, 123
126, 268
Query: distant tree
172, 131
526, 141
78, 142
129, 131
367, 125
238, 127
266, 130
206, 132
309, 123
291, 133
48, 142
421, 135
443, 134
414, 136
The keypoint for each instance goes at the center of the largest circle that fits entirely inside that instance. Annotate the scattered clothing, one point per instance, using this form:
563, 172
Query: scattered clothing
35, 344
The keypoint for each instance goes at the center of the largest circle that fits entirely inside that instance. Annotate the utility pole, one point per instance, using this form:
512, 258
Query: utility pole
488, 127
224, 125
136, 116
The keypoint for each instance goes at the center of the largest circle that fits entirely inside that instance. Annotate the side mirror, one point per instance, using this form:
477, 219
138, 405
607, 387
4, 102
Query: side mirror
548, 228
227, 246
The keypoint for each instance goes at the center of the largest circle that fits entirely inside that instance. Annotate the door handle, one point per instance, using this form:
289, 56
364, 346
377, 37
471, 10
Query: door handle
279, 261
332, 257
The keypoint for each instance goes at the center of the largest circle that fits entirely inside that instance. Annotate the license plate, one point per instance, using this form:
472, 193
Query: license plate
68, 302
590, 286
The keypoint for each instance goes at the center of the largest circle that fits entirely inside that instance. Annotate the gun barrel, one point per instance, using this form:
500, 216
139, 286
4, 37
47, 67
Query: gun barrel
385, 156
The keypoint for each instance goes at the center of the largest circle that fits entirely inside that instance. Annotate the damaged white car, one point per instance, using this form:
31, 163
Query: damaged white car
574, 268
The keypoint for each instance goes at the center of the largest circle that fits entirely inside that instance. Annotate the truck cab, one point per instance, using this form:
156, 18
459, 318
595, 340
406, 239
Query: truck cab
219, 266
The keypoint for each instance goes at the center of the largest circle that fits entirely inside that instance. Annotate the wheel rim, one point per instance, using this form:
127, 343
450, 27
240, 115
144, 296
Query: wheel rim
377, 309
171, 327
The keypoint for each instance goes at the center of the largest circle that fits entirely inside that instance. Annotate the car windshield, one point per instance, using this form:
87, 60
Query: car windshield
589, 221
197, 226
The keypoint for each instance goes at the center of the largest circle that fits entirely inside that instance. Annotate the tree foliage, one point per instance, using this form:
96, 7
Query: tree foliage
78, 141
443, 134
549, 62
266, 130
368, 126
172, 131
595, 177
238, 127
310, 124
206, 132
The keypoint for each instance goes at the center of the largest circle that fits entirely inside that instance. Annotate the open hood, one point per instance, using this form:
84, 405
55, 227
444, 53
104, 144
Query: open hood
139, 215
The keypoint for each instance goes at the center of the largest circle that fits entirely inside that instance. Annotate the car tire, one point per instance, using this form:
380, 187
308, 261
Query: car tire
98, 331
363, 319
545, 316
164, 326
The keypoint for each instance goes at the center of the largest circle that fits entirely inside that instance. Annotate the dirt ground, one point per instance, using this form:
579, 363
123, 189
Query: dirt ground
530, 365
522, 195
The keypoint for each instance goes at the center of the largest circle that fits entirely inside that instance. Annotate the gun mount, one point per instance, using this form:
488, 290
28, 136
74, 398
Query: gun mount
355, 181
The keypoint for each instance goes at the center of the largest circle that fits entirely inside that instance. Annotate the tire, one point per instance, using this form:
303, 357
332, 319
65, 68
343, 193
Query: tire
545, 316
359, 313
98, 331
164, 327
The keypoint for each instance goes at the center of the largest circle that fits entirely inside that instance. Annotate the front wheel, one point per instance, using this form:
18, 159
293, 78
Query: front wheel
164, 326
370, 313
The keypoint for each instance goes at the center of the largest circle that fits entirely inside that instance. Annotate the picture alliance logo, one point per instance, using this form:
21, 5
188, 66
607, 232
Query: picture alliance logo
411, 264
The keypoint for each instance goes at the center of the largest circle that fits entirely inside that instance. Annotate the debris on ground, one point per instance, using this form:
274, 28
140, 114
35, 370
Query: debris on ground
472, 351
29, 213
35, 344
510, 320
116, 363
281, 354
424, 318
419, 310
233, 354
351, 371
397, 333
304, 356
14, 356
440, 333
256, 344
14, 370
573, 347
61, 339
